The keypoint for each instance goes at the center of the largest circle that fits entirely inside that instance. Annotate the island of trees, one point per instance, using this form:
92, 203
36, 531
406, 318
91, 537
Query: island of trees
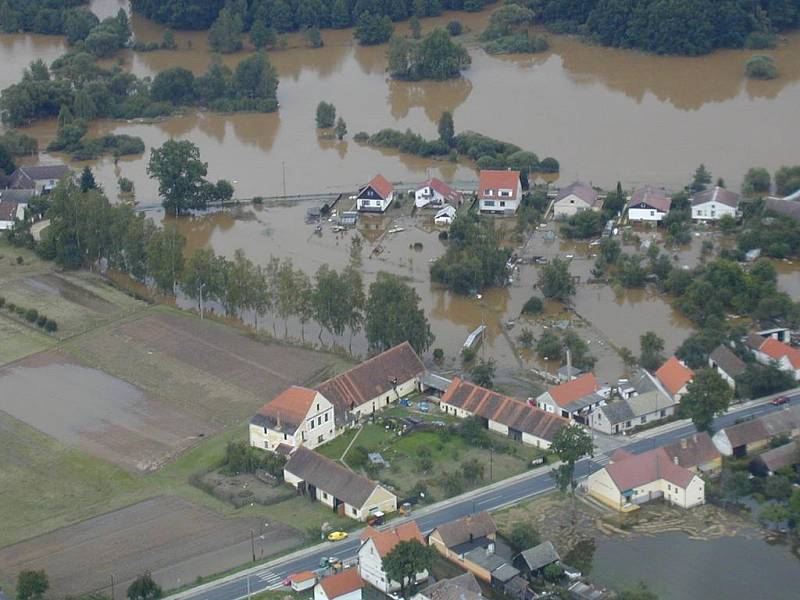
690, 27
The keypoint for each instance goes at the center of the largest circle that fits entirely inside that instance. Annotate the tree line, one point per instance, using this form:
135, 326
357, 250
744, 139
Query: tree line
85, 229
292, 15
689, 27
436, 57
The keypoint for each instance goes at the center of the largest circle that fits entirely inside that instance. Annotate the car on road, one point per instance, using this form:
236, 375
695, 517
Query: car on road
780, 400
336, 536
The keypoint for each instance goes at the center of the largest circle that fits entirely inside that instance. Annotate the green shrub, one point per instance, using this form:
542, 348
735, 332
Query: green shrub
41, 321
20, 310
11, 307
455, 28
20, 260
533, 306
2, 301
438, 353
549, 165
50, 326
761, 67
361, 136
761, 40
31, 315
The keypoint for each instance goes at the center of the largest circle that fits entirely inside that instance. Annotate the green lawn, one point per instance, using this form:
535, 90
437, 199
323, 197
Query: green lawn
448, 453
19, 339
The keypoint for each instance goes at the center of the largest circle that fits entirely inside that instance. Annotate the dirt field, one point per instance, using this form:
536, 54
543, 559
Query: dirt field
91, 410
216, 373
174, 539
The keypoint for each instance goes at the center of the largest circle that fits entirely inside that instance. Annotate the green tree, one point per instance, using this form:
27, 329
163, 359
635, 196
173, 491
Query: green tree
579, 351
787, 180
393, 315
87, 181
756, 181
168, 41
556, 282
373, 29
326, 115
201, 279
760, 67
550, 347
483, 373
32, 585
330, 311
762, 380
165, 258
570, 443
225, 34
262, 36
472, 470
533, 306
526, 338
702, 177
341, 128
404, 561
415, 27
447, 130
78, 24
256, 79
652, 351
176, 85
144, 588
180, 174
707, 396
523, 535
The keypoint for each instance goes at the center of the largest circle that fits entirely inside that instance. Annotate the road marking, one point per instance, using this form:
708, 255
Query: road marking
489, 500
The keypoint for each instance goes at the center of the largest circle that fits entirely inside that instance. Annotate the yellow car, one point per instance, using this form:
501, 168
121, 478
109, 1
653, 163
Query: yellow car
336, 536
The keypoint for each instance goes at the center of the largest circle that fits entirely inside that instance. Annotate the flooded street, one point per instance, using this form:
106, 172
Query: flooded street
565, 103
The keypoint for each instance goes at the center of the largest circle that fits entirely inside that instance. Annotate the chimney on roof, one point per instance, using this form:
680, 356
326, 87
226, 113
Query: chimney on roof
569, 366
684, 443
278, 420
694, 438
675, 459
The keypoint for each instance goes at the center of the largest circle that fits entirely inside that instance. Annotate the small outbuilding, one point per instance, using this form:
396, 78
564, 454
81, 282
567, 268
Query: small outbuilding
534, 560
345, 585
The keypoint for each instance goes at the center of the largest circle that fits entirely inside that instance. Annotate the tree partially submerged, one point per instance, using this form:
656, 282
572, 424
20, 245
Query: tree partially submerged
404, 561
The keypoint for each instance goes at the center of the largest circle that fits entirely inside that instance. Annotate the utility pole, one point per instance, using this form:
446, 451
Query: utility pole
253, 547
283, 168
112, 587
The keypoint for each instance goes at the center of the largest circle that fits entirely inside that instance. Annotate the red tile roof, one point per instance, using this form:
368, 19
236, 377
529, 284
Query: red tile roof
498, 180
381, 185
673, 375
385, 541
445, 190
777, 350
503, 409
640, 469
371, 378
342, 583
290, 407
573, 390
693, 451
302, 576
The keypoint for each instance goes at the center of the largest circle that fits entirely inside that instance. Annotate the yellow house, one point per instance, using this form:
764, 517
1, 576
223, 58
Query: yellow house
346, 492
296, 417
634, 479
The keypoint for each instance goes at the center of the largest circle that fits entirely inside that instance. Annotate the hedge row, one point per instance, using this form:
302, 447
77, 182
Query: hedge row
31, 315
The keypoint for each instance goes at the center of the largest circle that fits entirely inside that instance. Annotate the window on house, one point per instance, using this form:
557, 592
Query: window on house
355, 511
502, 203
652, 213
663, 413
627, 423
320, 439
504, 193
643, 419
285, 437
324, 496
488, 192
488, 202
326, 417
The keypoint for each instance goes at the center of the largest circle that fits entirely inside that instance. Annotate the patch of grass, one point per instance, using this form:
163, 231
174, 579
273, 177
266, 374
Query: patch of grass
19, 340
336, 447
10, 269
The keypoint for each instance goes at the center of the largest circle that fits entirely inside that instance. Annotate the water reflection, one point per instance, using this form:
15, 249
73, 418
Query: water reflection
433, 97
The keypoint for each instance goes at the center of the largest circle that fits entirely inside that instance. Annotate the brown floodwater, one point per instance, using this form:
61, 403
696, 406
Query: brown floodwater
606, 114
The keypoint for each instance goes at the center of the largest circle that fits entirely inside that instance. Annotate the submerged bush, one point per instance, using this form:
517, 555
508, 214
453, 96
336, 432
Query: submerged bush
761, 67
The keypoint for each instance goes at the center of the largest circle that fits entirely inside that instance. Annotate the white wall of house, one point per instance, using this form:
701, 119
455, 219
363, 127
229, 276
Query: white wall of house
498, 427
370, 567
645, 214
498, 205
380, 402
712, 211
601, 486
727, 378
454, 410
601, 423
319, 594
783, 364
374, 204
20, 214
317, 428
569, 206
427, 195
532, 440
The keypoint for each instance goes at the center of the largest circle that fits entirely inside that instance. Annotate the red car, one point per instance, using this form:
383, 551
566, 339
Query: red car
780, 400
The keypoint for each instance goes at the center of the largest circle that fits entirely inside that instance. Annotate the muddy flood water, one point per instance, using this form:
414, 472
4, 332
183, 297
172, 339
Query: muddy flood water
605, 114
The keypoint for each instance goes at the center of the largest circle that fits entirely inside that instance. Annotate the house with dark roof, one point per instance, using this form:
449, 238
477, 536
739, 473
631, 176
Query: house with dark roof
499, 192
456, 538
775, 459
768, 350
575, 198
675, 377
461, 587
40, 178
782, 207
436, 192
729, 366
375, 545
11, 211
574, 399
502, 414
534, 560
697, 453
345, 585
633, 479
638, 409
346, 492
376, 196
749, 436
648, 204
373, 384
298, 416
713, 203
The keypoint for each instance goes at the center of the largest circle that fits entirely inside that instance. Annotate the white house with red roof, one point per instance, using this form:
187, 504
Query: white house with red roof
345, 585
648, 204
375, 545
499, 192
574, 400
376, 196
675, 377
298, 416
772, 351
633, 479
435, 192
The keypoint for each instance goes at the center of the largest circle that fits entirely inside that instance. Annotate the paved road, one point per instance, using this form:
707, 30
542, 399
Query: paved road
269, 576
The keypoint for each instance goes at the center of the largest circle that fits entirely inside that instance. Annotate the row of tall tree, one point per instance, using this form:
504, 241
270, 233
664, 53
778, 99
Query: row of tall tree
86, 228
291, 15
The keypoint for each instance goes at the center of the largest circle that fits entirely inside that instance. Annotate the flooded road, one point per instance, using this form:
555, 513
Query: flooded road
606, 114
